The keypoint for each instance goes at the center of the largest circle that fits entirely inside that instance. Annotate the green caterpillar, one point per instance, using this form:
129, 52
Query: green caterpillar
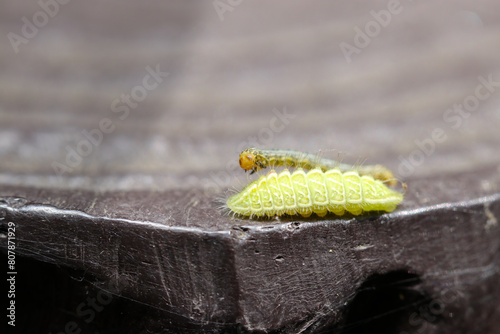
316, 191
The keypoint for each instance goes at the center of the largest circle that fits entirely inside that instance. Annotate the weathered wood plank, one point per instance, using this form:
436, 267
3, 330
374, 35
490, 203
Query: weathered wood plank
135, 212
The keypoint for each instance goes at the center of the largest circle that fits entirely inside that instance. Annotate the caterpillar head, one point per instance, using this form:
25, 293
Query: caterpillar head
250, 160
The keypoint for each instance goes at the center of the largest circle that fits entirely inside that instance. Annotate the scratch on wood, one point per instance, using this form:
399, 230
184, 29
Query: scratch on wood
311, 322
363, 247
160, 271
92, 204
492, 220
191, 204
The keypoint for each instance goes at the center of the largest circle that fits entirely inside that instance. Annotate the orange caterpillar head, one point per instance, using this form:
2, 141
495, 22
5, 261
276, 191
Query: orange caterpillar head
247, 160
251, 160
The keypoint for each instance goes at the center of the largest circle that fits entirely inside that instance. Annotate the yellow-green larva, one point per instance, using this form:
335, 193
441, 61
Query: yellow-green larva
316, 191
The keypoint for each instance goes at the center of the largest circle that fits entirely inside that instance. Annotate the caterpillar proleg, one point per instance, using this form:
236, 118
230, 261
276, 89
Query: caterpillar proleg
254, 159
316, 191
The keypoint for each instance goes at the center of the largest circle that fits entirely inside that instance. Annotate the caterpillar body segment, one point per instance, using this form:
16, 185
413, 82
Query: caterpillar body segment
313, 192
253, 159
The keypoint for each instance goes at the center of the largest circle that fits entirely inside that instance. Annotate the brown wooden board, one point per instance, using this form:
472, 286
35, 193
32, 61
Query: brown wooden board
116, 205
291, 273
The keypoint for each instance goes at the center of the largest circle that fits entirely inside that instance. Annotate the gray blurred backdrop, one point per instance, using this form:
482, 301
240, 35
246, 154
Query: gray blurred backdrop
371, 82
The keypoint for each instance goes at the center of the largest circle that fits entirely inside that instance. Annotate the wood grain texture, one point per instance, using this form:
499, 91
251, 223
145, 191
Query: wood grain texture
138, 215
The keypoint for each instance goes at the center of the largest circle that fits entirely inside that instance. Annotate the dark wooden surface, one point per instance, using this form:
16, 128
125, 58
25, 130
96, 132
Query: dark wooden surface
139, 218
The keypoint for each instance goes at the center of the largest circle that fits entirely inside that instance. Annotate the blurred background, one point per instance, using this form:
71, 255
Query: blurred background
165, 94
